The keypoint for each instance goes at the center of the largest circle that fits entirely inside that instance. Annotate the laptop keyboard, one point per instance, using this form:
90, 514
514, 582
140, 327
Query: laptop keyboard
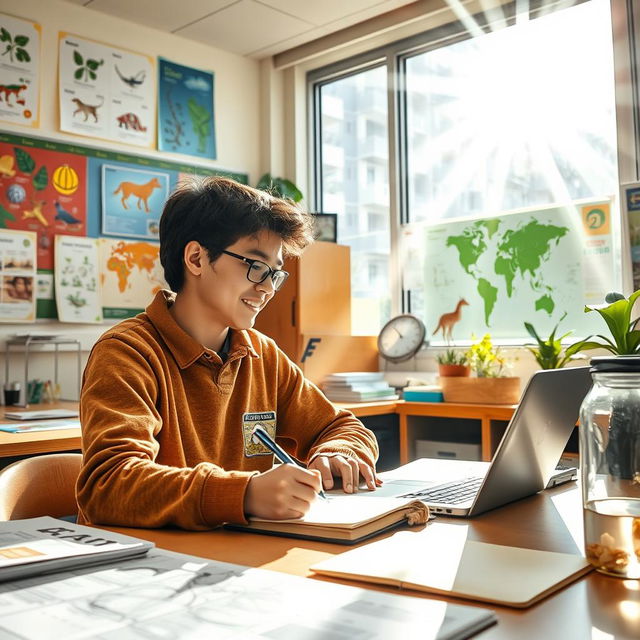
454, 492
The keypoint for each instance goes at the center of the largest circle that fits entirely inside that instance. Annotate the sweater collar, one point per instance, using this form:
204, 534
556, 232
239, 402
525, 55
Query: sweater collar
185, 349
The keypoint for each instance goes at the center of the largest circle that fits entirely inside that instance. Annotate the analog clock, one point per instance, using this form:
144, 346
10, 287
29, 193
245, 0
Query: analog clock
401, 338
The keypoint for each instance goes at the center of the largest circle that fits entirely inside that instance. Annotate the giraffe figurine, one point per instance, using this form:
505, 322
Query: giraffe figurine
447, 320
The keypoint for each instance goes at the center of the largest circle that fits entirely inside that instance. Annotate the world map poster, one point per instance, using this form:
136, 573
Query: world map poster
130, 276
529, 266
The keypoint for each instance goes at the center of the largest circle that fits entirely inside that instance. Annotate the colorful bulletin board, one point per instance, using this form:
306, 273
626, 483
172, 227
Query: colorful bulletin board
50, 188
20, 71
106, 92
186, 110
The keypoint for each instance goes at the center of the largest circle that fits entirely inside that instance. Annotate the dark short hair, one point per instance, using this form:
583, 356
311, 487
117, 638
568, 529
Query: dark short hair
217, 212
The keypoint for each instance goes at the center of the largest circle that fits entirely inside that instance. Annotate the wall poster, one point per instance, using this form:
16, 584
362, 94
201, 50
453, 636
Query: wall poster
19, 71
17, 276
45, 191
186, 110
105, 92
132, 201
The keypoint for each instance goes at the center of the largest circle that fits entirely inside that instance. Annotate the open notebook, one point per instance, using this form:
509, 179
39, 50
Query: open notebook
440, 559
344, 519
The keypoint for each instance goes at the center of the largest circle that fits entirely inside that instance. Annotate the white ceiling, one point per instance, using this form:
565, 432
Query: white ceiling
253, 28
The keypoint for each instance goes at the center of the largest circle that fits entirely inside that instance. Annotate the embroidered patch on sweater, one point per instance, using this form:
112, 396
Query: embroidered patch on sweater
268, 420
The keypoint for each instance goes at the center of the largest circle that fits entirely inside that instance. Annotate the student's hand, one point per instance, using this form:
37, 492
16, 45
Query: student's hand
349, 469
286, 491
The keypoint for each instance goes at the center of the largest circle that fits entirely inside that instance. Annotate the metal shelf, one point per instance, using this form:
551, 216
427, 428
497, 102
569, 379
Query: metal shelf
28, 342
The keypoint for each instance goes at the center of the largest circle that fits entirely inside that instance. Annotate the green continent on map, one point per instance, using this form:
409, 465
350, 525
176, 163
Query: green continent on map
519, 252
545, 303
470, 245
489, 294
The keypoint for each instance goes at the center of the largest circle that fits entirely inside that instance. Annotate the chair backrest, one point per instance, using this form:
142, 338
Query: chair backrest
40, 486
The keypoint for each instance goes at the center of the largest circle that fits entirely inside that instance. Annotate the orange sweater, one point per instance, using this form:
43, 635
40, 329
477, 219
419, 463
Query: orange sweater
166, 425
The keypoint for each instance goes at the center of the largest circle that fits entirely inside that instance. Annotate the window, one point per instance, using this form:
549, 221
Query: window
355, 169
512, 127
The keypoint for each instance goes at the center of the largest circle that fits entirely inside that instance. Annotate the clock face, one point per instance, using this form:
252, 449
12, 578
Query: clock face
401, 338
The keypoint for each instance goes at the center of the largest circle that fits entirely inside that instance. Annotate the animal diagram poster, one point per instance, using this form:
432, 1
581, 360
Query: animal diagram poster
185, 110
77, 280
19, 71
130, 274
43, 191
132, 201
106, 92
17, 276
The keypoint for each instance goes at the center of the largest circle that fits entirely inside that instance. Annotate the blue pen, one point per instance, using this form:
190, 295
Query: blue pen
277, 450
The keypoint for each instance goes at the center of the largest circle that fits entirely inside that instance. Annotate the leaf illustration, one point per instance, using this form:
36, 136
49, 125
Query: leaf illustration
21, 41
78, 73
41, 179
92, 75
93, 64
22, 55
77, 58
24, 160
4, 216
4, 35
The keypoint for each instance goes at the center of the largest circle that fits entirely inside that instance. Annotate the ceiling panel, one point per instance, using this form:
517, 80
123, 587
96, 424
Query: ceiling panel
159, 14
244, 27
319, 13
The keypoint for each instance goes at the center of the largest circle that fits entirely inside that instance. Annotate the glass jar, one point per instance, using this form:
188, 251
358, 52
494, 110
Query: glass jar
610, 466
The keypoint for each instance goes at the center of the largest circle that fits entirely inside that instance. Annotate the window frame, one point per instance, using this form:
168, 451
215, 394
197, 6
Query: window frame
394, 56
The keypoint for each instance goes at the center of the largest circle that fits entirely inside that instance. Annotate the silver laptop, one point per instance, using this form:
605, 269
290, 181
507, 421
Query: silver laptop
523, 464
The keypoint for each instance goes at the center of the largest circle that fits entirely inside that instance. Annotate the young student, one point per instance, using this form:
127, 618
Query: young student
170, 398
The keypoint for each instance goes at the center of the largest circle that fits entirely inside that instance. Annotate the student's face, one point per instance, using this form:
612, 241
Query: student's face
231, 299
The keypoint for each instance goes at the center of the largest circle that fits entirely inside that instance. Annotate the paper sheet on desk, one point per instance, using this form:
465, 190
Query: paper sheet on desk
47, 425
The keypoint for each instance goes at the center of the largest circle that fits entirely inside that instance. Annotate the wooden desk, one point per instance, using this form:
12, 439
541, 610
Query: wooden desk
596, 606
37, 442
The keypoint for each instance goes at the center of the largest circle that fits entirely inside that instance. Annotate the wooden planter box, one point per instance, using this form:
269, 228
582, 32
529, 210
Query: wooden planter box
481, 390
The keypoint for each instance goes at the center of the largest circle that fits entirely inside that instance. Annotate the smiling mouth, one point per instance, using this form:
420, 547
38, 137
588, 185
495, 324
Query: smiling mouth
256, 306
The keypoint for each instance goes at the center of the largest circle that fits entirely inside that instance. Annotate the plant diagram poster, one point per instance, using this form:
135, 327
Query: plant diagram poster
132, 201
77, 280
44, 191
19, 71
185, 110
106, 92
17, 276
130, 275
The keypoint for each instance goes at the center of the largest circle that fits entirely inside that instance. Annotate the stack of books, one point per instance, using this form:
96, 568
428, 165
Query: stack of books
357, 386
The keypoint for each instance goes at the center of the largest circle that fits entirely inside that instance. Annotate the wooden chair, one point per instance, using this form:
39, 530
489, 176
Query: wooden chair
40, 486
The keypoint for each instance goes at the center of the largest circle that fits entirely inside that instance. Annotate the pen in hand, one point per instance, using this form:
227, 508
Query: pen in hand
260, 434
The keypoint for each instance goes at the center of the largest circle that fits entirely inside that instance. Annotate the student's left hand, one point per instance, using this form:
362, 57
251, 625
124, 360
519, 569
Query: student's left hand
349, 469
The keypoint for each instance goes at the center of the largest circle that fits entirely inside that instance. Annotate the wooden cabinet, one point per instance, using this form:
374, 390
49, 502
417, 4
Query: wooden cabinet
315, 300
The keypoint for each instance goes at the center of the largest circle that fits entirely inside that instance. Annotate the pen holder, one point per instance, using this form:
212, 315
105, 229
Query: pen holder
11, 393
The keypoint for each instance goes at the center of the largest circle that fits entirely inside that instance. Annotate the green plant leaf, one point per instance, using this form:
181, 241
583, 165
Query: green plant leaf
21, 41
5, 36
78, 73
41, 179
532, 332
24, 160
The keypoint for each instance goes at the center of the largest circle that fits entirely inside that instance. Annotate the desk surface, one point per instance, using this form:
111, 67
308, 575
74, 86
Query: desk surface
596, 606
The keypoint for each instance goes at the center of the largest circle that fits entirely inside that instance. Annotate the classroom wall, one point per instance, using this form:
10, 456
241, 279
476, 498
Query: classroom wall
238, 128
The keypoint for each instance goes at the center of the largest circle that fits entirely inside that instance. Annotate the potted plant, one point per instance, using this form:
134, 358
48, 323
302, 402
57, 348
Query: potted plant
490, 385
280, 187
549, 353
453, 363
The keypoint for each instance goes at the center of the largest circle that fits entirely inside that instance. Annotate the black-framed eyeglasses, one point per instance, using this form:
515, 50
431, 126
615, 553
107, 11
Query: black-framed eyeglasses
259, 271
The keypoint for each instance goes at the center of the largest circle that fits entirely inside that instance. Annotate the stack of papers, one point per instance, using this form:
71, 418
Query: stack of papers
45, 414
357, 386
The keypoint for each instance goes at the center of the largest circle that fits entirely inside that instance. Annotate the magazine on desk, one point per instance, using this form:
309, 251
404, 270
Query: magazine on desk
177, 596
345, 518
40, 545
46, 425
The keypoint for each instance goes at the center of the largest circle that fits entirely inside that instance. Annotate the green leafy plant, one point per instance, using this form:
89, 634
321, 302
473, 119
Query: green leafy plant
485, 359
16, 45
549, 353
87, 68
616, 312
451, 356
280, 187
